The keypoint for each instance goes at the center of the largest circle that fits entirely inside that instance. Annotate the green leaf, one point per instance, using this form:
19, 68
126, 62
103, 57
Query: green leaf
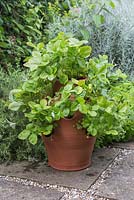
24, 135
51, 77
98, 19
74, 106
90, 88
15, 105
75, 81
112, 4
33, 29
34, 61
49, 119
30, 44
83, 109
108, 109
95, 107
76, 43
92, 113
123, 109
85, 33
112, 132
81, 100
47, 130
13, 92
68, 87
81, 82
63, 78
85, 51
40, 46
33, 138
66, 112
31, 104
29, 126
78, 90
94, 132
43, 103
120, 74
29, 86
4, 45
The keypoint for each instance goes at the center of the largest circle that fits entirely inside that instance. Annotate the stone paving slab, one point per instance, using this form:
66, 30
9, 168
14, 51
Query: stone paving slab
83, 179
119, 184
15, 191
124, 145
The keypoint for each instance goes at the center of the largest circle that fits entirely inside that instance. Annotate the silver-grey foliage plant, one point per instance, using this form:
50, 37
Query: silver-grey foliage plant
114, 36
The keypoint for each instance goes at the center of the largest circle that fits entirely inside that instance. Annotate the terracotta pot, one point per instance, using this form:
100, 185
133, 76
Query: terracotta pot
68, 148
57, 85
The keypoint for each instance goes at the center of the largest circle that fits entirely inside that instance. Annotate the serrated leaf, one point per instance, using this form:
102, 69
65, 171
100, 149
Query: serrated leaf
24, 135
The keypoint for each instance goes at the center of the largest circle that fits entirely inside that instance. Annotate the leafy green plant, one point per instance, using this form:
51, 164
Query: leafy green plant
99, 96
110, 33
20, 21
11, 148
81, 18
116, 37
62, 58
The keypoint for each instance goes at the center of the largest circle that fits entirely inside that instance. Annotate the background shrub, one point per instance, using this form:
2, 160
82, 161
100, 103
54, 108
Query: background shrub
112, 34
11, 124
20, 21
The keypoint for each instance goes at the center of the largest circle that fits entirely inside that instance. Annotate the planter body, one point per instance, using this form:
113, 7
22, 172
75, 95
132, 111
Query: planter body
56, 87
68, 148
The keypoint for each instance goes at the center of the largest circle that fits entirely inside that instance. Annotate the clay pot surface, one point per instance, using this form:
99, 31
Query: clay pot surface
68, 148
57, 85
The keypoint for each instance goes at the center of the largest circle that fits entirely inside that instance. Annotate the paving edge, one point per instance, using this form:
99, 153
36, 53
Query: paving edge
69, 192
106, 173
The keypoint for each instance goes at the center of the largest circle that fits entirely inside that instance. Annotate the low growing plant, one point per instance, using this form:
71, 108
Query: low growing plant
89, 86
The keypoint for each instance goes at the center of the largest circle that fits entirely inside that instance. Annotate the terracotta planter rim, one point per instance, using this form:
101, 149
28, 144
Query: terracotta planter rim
69, 119
73, 117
